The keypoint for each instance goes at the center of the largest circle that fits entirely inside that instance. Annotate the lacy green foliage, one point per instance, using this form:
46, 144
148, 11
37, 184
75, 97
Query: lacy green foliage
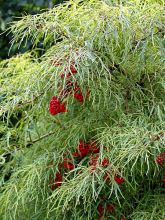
15, 76
150, 207
118, 51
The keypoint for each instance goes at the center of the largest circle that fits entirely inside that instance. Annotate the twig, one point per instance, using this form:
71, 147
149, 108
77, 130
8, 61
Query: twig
39, 139
29, 144
158, 136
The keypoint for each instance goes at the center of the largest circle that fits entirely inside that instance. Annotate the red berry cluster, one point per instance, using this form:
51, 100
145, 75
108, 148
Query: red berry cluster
57, 181
72, 71
91, 151
71, 88
85, 151
160, 159
56, 106
85, 148
118, 179
107, 208
69, 163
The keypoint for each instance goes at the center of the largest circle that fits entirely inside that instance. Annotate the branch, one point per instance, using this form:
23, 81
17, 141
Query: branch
39, 139
29, 144
135, 43
158, 136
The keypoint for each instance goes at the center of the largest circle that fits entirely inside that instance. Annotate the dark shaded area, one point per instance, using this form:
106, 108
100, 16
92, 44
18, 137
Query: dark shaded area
11, 10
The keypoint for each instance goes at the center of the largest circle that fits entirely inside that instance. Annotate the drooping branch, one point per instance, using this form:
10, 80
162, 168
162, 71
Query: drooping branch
30, 143
39, 139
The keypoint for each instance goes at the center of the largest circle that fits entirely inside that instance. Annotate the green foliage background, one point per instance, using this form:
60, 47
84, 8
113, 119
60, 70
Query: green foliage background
118, 49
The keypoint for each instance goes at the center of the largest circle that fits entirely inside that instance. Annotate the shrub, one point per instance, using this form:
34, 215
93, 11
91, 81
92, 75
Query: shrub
82, 126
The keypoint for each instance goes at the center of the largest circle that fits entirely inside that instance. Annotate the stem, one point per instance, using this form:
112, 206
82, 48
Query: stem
38, 139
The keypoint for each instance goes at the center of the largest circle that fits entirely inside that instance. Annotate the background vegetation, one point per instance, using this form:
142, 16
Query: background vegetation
13, 10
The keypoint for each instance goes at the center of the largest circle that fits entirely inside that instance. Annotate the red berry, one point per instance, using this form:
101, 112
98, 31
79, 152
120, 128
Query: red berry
76, 154
100, 209
68, 165
62, 75
73, 69
163, 179
83, 148
57, 181
122, 217
79, 97
62, 107
82, 145
159, 160
94, 148
84, 152
105, 162
56, 106
119, 180
110, 208
78, 93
